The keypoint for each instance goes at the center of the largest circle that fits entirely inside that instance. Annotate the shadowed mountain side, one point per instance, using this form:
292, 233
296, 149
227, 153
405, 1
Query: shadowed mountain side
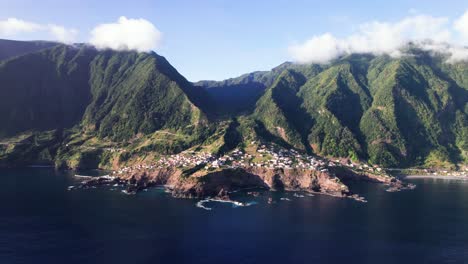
12, 48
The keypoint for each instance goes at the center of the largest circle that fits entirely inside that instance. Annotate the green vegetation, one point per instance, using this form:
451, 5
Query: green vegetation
75, 106
393, 112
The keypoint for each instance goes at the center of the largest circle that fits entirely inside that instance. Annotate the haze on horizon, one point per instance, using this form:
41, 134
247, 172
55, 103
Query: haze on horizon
222, 39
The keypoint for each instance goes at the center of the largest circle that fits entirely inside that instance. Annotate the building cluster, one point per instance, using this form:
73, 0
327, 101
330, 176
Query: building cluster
114, 150
140, 167
362, 167
270, 156
264, 156
460, 173
185, 159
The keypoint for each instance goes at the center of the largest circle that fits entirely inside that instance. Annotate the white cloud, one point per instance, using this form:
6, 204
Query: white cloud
62, 34
456, 53
318, 49
386, 38
13, 28
461, 25
126, 34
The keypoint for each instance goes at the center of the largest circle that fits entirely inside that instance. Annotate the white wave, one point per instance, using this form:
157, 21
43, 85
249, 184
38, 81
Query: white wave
83, 176
201, 203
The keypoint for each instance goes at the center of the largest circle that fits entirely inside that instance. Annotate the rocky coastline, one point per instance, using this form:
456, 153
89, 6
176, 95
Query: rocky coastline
221, 183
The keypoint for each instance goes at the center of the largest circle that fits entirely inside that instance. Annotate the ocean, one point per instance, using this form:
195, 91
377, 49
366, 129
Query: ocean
41, 221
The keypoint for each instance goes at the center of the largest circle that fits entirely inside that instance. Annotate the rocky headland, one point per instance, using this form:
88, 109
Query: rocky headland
221, 182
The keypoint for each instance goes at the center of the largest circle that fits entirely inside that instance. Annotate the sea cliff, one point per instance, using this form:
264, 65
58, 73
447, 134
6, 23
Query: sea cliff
220, 183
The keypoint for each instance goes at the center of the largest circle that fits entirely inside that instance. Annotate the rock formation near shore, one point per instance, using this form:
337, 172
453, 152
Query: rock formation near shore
222, 182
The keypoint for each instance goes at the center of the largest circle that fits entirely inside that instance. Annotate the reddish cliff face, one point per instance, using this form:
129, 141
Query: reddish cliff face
204, 184
220, 183
167, 176
301, 180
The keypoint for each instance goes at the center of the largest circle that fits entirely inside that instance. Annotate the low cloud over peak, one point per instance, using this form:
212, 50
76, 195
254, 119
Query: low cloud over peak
388, 38
12, 26
126, 34
16, 28
461, 25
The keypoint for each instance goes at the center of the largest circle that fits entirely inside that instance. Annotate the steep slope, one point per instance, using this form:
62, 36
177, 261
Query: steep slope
44, 90
278, 110
239, 95
320, 109
336, 99
416, 115
120, 94
139, 93
14, 48
393, 112
74, 104
70, 105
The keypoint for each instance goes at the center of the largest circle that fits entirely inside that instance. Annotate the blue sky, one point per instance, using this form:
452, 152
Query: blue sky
217, 39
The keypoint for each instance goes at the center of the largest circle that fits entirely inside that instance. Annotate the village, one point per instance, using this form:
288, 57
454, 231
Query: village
269, 156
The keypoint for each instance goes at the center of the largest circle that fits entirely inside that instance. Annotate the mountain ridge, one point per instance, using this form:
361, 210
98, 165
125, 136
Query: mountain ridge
15, 48
396, 112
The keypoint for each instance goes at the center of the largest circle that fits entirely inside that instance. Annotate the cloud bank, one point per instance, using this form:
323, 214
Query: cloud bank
430, 33
461, 25
62, 34
126, 34
14, 27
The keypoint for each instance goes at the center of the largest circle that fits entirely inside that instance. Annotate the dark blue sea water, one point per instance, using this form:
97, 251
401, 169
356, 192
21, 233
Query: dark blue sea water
42, 222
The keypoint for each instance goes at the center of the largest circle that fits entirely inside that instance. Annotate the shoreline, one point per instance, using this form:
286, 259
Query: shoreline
435, 177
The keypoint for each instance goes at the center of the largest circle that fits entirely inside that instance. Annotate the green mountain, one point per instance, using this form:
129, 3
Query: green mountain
118, 94
140, 93
76, 106
13, 48
44, 90
67, 96
280, 112
237, 96
393, 112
